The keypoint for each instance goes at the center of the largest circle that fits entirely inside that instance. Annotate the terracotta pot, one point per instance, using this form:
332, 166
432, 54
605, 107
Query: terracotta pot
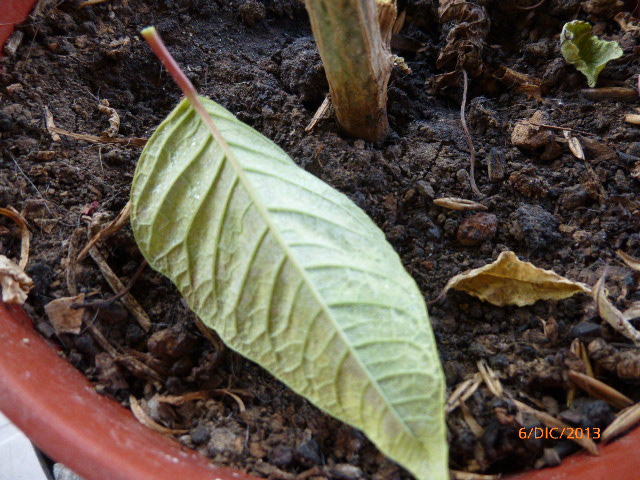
59, 410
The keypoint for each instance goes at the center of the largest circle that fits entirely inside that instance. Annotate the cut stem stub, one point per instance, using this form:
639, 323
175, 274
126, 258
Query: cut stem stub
353, 37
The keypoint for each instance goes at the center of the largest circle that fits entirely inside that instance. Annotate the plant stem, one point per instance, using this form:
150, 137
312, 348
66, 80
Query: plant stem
472, 149
152, 37
353, 37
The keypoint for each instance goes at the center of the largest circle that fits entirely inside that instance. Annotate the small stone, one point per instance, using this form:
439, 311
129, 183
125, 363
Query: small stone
200, 434
477, 229
535, 226
224, 440
281, 456
462, 176
252, 12
425, 190
14, 88
172, 342
344, 471
308, 453
574, 197
496, 164
528, 135
585, 330
359, 144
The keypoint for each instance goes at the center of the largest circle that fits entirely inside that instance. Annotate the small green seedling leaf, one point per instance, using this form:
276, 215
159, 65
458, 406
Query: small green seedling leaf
293, 275
587, 52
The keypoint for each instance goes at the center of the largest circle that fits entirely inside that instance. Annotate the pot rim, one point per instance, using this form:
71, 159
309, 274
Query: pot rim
57, 407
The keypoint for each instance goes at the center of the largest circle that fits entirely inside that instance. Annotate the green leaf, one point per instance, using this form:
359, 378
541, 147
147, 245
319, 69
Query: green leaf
585, 51
294, 276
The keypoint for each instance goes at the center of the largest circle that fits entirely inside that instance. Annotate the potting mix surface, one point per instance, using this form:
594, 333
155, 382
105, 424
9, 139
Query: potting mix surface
543, 201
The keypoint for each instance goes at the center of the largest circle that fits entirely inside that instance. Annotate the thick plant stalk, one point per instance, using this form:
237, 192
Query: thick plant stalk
353, 37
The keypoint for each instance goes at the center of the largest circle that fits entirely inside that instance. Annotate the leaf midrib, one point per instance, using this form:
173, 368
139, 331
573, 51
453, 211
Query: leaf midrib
263, 211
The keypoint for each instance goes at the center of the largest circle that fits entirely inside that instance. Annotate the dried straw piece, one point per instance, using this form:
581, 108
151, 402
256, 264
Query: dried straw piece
460, 204
127, 142
490, 379
625, 420
458, 475
553, 422
463, 392
600, 390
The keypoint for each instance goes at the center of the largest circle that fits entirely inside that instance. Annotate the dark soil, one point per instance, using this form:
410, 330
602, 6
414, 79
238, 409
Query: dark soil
258, 60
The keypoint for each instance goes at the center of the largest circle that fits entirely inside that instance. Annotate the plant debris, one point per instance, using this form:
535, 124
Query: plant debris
611, 314
468, 26
14, 282
510, 281
587, 52
64, 318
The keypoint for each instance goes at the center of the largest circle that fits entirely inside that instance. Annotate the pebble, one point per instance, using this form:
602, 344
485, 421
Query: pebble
535, 226
425, 189
344, 471
496, 165
574, 197
585, 330
172, 342
477, 229
252, 12
463, 177
200, 434
308, 453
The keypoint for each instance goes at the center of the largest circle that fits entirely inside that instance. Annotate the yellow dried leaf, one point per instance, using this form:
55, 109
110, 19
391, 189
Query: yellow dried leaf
510, 281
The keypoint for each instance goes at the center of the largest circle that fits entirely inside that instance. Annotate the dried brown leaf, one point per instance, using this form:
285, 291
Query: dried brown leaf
64, 318
14, 282
611, 314
510, 281
465, 40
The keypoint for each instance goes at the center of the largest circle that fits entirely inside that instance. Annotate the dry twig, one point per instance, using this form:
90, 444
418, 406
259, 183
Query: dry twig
128, 300
25, 234
472, 148
115, 226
